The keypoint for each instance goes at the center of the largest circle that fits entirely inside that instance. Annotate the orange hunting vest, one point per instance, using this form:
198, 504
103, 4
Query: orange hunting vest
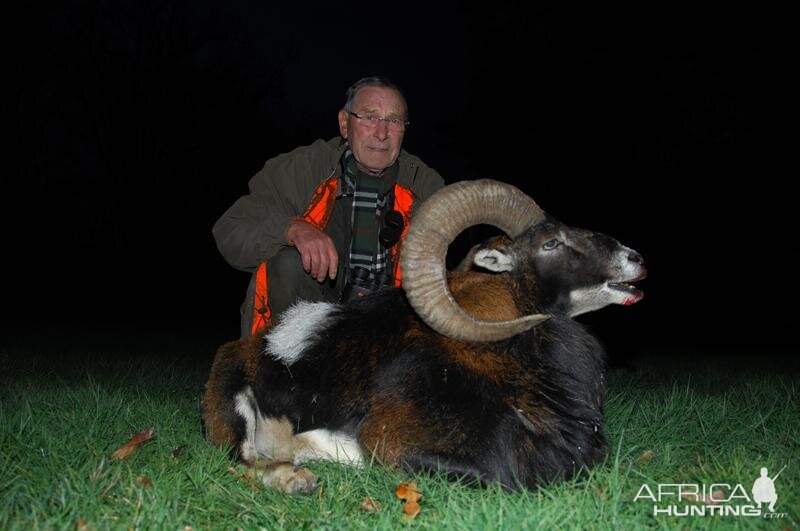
318, 213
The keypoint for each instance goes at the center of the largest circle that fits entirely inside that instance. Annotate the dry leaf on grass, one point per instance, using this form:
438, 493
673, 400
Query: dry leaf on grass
411, 495
177, 451
411, 509
371, 506
408, 492
646, 457
144, 481
133, 444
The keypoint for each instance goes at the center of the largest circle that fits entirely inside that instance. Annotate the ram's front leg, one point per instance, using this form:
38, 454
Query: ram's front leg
270, 446
231, 418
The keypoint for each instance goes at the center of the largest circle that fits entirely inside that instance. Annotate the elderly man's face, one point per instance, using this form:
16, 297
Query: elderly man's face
375, 147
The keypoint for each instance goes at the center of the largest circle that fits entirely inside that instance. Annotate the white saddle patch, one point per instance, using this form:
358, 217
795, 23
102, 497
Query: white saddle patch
297, 330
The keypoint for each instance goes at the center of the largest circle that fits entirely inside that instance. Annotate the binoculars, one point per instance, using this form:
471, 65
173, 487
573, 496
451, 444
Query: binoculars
359, 282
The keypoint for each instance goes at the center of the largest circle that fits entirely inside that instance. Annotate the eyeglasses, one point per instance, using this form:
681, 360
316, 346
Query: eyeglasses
371, 121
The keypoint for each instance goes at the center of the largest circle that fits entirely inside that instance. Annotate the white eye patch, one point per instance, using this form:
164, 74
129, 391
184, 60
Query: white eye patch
494, 260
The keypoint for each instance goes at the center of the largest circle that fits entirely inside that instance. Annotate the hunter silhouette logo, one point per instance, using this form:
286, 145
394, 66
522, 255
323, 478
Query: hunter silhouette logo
764, 489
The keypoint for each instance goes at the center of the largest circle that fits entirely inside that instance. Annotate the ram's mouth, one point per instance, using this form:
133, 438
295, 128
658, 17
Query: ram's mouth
633, 294
624, 286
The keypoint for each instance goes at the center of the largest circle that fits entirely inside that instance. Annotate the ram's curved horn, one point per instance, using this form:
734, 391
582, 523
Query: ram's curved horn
435, 225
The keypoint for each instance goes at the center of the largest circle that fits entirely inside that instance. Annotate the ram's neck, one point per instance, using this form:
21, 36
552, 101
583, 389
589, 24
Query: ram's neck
488, 297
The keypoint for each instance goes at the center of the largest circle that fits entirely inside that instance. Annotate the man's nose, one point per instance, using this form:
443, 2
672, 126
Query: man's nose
382, 130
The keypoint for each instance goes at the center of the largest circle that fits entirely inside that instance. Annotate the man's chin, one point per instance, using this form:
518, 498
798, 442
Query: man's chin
375, 167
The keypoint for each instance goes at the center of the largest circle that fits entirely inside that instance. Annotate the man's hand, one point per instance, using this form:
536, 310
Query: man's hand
315, 247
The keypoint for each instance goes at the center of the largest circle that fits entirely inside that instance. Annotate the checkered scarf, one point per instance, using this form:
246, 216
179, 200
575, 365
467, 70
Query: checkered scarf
370, 197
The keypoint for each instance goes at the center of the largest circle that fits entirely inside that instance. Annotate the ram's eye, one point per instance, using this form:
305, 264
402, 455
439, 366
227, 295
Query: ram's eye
549, 245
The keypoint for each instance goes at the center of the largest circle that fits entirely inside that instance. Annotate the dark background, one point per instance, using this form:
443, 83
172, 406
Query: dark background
135, 124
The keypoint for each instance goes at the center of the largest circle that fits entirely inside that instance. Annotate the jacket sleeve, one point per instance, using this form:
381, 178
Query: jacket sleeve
427, 182
254, 228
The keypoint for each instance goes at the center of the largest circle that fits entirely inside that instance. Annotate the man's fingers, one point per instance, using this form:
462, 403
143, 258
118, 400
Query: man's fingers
333, 261
316, 250
320, 270
305, 256
320, 264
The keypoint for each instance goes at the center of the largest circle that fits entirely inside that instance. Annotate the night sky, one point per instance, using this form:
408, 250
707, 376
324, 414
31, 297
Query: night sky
134, 125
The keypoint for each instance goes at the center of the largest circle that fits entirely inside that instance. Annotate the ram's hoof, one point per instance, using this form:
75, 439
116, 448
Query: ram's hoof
288, 478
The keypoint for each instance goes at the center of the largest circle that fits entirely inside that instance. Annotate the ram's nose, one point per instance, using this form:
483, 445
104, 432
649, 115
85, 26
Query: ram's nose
636, 258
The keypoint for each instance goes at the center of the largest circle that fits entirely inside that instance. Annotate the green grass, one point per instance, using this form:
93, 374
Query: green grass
63, 414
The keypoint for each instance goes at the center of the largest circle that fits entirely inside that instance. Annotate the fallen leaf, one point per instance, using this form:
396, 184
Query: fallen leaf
83, 525
408, 492
177, 451
646, 457
411, 495
144, 481
371, 506
129, 447
411, 509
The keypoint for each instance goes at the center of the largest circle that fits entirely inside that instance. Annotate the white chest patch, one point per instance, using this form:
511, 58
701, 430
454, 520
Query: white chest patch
299, 327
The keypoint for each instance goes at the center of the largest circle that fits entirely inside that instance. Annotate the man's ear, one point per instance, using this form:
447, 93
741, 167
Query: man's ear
343, 123
494, 260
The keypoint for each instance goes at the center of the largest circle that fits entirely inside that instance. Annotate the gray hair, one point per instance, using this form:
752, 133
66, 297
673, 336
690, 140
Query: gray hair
372, 81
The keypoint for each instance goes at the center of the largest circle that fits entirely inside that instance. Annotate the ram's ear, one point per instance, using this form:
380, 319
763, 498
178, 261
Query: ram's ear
496, 259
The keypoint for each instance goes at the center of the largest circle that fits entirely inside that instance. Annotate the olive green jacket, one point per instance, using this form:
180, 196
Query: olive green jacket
254, 228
